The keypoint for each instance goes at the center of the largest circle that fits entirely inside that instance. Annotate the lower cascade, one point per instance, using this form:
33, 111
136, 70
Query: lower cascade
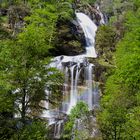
79, 84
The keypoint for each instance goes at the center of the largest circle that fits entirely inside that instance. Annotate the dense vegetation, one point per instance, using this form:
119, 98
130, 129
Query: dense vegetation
120, 104
30, 30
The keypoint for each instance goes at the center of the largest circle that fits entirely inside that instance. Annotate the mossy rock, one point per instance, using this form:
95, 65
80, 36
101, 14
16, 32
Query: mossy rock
69, 41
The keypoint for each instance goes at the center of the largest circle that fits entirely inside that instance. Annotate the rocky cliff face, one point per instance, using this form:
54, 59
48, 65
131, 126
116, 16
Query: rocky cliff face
70, 40
92, 11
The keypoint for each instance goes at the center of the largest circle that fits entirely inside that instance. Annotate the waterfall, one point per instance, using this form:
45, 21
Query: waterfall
57, 129
66, 79
75, 64
78, 73
96, 97
89, 85
78, 86
76, 81
72, 95
102, 21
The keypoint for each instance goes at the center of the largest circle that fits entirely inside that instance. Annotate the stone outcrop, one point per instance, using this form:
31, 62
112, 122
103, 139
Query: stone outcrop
16, 15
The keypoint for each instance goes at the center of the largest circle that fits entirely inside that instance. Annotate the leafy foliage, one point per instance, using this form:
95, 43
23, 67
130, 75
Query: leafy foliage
120, 103
77, 112
24, 72
106, 39
35, 130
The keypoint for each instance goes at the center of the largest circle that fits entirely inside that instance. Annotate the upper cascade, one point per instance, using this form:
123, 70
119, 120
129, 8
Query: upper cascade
89, 29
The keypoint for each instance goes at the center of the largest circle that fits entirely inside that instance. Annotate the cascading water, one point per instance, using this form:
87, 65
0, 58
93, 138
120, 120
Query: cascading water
89, 85
102, 21
57, 129
73, 97
89, 29
77, 85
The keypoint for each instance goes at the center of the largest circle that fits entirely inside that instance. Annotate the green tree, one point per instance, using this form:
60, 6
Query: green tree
36, 130
77, 112
106, 40
24, 71
120, 104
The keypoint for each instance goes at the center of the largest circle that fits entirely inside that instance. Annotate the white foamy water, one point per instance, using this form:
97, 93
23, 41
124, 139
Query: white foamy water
89, 29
